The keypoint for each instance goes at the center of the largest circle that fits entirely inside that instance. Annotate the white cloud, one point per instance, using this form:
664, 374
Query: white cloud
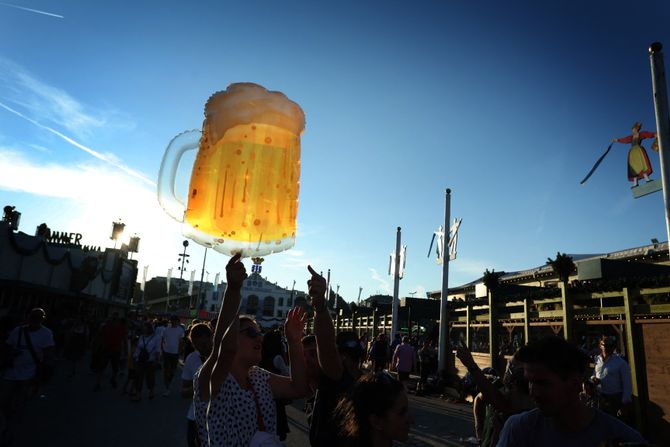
37, 11
98, 196
45, 102
107, 158
383, 283
40, 148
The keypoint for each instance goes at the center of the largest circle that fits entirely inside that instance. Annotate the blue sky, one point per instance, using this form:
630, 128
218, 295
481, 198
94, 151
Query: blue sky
507, 103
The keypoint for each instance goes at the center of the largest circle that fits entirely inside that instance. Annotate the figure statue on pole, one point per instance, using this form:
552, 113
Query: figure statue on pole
639, 166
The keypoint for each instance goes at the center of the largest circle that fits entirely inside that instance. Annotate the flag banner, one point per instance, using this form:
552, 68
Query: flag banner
169, 276
144, 277
190, 282
452, 243
401, 271
439, 235
453, 238
216, 281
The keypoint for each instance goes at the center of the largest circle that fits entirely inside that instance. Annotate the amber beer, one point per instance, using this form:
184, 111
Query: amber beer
246, 177
245, 185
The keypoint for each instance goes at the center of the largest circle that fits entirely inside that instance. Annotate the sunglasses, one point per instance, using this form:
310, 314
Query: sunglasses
252, 332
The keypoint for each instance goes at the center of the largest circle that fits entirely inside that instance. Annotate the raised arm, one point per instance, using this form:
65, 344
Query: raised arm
295, 386
326, 347
217, 365
488, 390
625, 140
394, 358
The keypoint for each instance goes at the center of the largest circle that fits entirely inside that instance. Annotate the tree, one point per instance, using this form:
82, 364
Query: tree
491, 279
563, 266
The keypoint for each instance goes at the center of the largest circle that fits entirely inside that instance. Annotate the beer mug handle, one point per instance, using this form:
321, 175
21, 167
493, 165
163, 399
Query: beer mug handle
167, 198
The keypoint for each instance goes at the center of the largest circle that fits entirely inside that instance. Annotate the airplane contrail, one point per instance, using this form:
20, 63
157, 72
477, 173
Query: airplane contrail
78, 145
32, 10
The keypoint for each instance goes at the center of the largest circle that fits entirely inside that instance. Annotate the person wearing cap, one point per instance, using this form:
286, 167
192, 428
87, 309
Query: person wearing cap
612, 377
335, 371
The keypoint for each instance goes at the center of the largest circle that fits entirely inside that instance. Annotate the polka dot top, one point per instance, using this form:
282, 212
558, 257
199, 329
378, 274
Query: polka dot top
232, 421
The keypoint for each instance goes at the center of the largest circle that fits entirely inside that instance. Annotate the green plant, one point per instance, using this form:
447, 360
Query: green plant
563, 266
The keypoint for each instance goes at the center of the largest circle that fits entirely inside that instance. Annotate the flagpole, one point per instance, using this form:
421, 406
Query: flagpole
328, 291
202, 276
144, 284
659, 86
167, 303
444, 303
396, 286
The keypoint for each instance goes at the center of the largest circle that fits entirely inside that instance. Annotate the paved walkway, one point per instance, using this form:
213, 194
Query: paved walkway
72, 415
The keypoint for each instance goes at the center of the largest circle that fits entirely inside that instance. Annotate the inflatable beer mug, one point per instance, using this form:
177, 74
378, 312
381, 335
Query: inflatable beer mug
243, 193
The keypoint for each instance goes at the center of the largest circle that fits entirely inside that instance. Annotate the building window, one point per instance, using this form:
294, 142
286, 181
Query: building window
279, 313
252, 305
268, 306
281, 302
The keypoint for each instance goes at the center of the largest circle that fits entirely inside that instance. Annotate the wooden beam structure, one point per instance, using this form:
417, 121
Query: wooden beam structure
631, 339
568, 311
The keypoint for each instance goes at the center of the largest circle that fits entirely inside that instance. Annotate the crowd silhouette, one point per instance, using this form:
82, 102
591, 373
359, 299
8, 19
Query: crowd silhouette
356, 390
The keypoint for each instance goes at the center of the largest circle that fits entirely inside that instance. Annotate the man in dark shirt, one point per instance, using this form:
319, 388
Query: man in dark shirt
379, 353
332, 371
555, 372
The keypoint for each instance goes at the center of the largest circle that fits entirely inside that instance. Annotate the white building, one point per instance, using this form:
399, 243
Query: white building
265, 301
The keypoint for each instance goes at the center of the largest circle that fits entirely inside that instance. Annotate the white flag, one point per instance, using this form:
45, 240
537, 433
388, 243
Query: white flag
216, 281
453, 238
144, 277
169, 276
403, 250
190, 283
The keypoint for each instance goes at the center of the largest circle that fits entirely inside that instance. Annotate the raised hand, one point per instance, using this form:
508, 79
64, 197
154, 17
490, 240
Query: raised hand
295, 324
465, 356
235, 272
316, 287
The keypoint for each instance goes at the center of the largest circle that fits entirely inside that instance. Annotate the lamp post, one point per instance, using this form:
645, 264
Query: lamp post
117, 231
182, 257
11, 216
660, 91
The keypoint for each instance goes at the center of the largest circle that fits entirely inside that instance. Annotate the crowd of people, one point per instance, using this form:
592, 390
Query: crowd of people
355, 390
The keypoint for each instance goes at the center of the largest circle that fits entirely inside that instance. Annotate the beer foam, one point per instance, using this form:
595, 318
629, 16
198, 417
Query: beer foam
245, 103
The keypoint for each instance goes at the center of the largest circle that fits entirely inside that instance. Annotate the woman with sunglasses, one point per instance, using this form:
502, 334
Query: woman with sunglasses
233, 397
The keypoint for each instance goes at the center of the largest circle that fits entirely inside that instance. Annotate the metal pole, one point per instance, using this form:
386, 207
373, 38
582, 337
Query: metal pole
396, 286
360, 289
183, 258
202, 276
660, 89
328, 291
443, 345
